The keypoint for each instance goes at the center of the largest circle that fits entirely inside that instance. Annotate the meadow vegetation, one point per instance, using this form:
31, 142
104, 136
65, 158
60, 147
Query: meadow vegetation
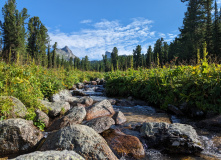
198, 86
29, 83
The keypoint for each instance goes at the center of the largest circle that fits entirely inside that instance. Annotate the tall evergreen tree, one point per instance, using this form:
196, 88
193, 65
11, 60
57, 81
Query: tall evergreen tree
13, 30
149, 57
217, 33
193, 30
53, 57
49, 57
114, 58
209, 26
37, 40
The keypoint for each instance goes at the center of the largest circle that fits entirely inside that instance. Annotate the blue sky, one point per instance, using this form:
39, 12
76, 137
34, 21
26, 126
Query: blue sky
91, 27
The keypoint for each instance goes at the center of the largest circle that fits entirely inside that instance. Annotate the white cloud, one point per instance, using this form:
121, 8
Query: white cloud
86, 21
218, 1
105, 35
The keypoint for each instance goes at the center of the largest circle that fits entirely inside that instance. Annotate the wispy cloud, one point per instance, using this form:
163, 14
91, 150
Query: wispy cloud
104, 35
86, 21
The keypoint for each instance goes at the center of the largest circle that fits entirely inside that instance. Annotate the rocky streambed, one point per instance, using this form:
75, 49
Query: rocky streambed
85, 124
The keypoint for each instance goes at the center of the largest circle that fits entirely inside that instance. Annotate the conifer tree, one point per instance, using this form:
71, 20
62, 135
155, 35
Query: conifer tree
49, 57
13, 30
114, 58
37, 40
209, 26
53, 58
149, 57
217, 33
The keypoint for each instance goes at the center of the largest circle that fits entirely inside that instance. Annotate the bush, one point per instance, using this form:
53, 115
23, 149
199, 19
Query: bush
199, 86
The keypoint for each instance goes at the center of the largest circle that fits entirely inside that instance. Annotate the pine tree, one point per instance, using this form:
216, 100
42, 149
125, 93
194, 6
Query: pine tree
217, 33
49, 57
193, 30
86, 63
37, 40
209, 26
149, 57
114, 58
13, 30
53, 58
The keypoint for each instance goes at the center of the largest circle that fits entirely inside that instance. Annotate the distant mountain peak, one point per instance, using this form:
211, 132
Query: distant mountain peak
66, 49
65, 52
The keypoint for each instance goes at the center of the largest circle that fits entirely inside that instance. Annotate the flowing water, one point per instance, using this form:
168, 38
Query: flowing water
138, 114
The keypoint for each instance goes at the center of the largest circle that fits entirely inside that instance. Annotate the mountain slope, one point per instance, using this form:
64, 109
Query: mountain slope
65, 52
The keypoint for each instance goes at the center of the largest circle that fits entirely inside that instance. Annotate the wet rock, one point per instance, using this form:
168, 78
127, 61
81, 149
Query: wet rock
130, 98
97, 80
122, 144
100, 124
18, 109
60, 96
124, 102
112, 101
78, 93
42, 117
81, 139
86, 101
56, 108
173, 138
87, 83
119, 117
74, 87
100, 109
18, 136
175, 110
93, 83
75, 115
196, 113
102, 82
80, 85
211, 124
46, 155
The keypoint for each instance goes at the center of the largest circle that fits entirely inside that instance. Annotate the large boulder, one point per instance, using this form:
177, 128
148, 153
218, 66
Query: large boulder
122, 144
75, 115
56, 108
18, 109
173, 138
18, 136
63, 95
100, 109
81, 139
46, 155
100, 124
87, 101
42, 117
211, 124
119, 117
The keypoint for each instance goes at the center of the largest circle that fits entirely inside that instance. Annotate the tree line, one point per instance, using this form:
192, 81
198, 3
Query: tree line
25, 40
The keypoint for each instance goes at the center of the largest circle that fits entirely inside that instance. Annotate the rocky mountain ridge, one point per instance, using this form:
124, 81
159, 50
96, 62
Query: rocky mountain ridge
66, 53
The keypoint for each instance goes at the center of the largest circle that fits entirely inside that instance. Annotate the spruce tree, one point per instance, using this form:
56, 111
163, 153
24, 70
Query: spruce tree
37, 40
217, 33
49, 57
209, 26
193, 30
149, 57
53, 58
13, 30
114, 58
